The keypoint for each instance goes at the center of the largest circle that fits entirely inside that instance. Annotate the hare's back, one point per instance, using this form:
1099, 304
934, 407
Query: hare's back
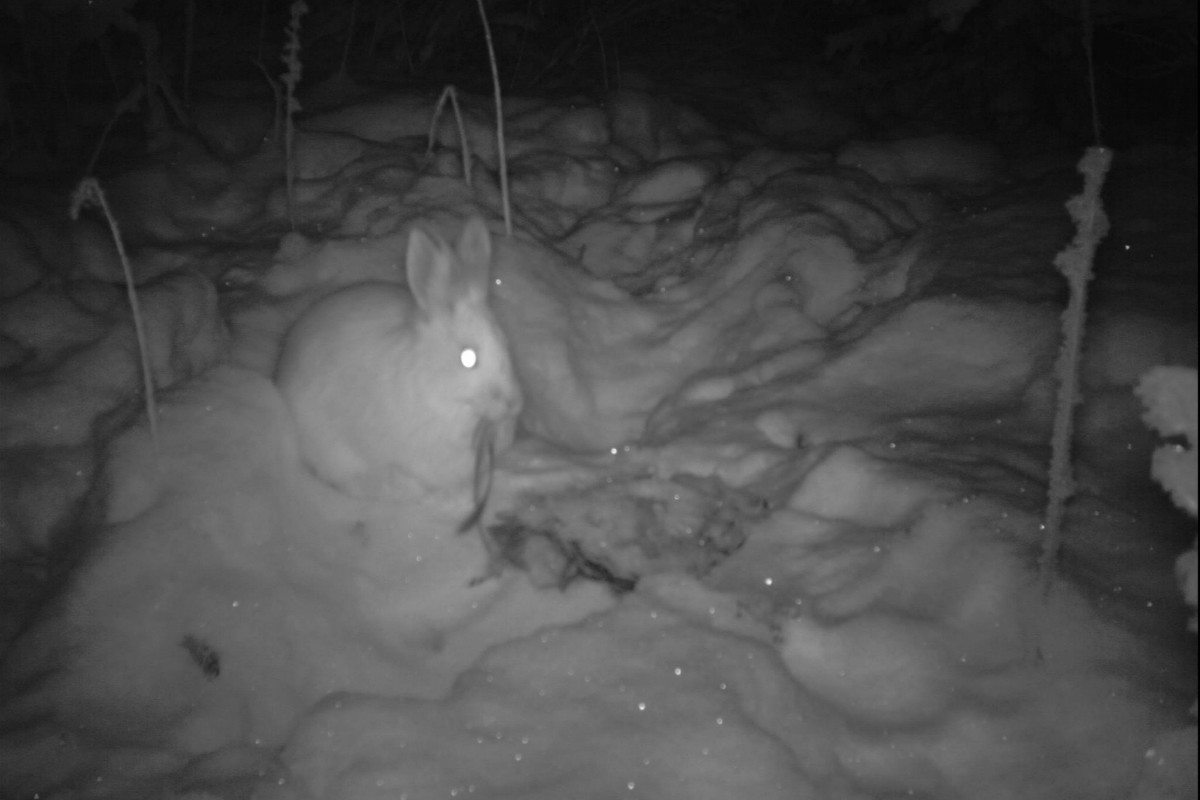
347, 329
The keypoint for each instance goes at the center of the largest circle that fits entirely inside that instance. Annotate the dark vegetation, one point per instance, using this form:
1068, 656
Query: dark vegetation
1002, 66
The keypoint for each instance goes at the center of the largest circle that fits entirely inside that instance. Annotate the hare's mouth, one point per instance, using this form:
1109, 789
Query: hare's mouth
502, 403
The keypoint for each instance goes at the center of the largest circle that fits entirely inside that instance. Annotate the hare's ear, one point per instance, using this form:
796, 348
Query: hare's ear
429, 265
474, 256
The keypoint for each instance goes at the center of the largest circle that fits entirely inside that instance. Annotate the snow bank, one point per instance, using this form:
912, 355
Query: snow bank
767, 530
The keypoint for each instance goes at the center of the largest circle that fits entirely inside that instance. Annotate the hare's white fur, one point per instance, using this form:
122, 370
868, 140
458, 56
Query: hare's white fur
380, 383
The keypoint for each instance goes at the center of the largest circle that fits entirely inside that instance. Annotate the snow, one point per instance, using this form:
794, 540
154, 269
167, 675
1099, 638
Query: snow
769, 529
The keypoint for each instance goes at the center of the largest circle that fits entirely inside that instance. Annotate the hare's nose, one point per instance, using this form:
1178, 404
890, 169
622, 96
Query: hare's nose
504, 401
514, 399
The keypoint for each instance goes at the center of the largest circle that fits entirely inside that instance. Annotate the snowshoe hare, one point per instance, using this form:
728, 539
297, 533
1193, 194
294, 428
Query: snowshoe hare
395, 389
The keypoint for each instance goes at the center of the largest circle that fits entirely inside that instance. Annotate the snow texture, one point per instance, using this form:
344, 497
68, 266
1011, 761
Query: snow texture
767, 530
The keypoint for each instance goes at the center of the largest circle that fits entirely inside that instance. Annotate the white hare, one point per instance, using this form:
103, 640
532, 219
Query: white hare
394, 389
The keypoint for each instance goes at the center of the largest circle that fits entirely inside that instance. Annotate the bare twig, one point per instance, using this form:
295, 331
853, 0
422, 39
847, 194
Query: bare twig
503, 158
88, 192
450, 92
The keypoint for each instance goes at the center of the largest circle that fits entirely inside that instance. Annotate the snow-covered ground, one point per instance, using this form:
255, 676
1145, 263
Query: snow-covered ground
769, 528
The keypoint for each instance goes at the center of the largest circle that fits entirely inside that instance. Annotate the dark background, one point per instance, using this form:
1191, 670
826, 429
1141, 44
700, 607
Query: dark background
1014, 70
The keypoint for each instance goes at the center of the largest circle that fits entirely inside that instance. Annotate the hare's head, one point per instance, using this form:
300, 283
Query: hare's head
462, 359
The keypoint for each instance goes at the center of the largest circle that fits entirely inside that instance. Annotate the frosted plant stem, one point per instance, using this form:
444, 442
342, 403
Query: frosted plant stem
291, 79
1075, 262
89, 191
487, 33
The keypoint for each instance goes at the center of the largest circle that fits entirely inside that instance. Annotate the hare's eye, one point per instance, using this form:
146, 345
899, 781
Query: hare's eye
468, 357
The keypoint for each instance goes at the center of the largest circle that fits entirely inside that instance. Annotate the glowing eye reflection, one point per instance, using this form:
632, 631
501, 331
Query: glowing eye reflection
468, 357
